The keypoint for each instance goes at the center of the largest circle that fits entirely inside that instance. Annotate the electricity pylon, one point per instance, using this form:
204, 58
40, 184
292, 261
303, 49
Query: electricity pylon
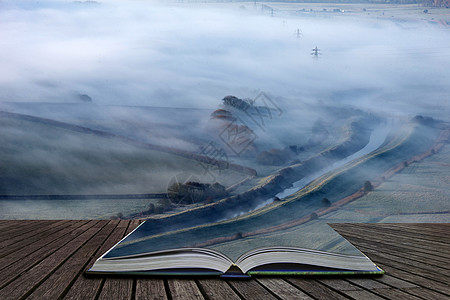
315, 52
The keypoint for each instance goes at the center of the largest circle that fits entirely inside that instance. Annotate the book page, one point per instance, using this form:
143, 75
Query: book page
229, 239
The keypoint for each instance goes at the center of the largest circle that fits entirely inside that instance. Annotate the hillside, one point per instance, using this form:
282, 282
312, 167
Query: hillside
40, 158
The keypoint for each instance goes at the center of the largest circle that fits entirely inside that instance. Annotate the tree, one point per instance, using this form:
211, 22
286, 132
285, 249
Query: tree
236, 102
151, 208
165, 203
326, 202
195, 192
159, 209
368, 186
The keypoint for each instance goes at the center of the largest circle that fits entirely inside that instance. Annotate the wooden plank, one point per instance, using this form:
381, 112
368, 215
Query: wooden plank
422, 227
4, 224
29, 238
59, 281
116, 288
250, 289
363, 294
395, 294
428, 247
23, 229
395, 282
415, 229
314, 288
125, 283
24, 233
340, 284
29, 249
403, 253
282, 288
427, 294
214, 288
406, 232
415, 278
404, 264
407, 252
416, 241
151, 289
348, 288
49, 274
181, 289
368, 283
385, 290
379, 241
88, 288
17, 224
25, 284
37, 255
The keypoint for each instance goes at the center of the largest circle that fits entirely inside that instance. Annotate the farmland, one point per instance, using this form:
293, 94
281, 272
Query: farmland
419, 193
40, 159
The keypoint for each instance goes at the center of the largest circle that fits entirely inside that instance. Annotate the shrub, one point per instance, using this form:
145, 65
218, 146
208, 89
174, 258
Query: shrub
326, 202
195, 192
236, 102
159, 210
165, 203
368, 186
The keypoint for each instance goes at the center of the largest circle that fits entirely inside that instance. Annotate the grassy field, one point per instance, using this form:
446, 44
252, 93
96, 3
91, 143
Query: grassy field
71, 209
420, 193
41, 159
334, 187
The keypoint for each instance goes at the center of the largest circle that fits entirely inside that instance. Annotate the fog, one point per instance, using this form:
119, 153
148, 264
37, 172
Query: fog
127, 67
192, 55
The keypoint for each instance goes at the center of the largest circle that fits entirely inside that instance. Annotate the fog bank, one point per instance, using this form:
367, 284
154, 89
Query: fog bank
143, 53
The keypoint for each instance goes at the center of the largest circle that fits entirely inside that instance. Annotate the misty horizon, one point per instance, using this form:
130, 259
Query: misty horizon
126, 77
151, 54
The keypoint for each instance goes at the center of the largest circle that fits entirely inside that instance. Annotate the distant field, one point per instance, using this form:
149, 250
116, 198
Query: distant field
283, 215
417, 194
71, 209
37, 158
400, 13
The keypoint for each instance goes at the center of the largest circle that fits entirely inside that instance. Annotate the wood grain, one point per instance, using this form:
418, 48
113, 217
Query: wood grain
47, 260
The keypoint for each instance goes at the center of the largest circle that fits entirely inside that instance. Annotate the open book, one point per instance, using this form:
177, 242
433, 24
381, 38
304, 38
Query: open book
178, 253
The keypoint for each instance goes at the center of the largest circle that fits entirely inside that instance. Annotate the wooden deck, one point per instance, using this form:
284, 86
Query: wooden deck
46, 260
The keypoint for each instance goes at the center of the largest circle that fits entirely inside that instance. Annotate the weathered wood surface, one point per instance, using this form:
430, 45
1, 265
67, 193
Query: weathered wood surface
47, 260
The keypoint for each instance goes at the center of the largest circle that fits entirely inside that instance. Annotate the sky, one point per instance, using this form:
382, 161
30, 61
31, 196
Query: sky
144, 53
